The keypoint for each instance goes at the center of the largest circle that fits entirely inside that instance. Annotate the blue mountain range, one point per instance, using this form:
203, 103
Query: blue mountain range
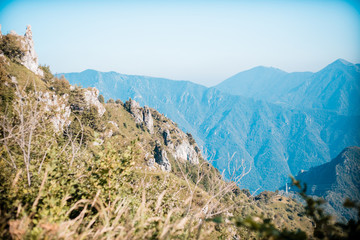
265, 120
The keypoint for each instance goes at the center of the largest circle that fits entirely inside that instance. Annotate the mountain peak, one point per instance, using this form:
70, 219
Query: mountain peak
266, 69
340, 62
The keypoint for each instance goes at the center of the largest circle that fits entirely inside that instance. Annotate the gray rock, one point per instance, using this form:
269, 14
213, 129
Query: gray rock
30, 58
150, 162
141, 115
91, 99
134, 108
161, 158
186, 152
167, 137
148, 120
58, 108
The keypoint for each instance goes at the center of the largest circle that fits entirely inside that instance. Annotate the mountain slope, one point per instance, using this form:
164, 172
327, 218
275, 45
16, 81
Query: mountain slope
264, 83
336, 181
274, 140
75, 168
335, 88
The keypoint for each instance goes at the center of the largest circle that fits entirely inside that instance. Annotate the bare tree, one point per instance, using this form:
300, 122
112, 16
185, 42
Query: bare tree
24, 129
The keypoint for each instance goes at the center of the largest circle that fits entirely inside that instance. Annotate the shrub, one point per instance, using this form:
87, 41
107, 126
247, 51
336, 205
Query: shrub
10, 45
61, 86
7, 92
110, 100
47, 73
101, 98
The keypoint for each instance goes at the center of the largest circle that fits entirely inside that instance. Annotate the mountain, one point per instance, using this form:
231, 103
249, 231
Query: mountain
336, 181
265, 83
335, 88
274, 140
74, 167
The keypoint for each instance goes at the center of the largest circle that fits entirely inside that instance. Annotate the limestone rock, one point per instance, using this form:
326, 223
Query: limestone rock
148, 120
161, 158
141, 115
134, 108
184, 148
114, 124
30, 58
110, 131
91, 99
167, 138
185, 151
59, 109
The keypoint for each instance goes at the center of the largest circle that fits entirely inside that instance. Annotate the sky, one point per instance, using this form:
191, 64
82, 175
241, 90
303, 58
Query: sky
200, 41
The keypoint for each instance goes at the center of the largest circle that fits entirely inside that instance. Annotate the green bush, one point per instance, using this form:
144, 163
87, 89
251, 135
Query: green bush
60, 86
47, 73
10, 45
101, 98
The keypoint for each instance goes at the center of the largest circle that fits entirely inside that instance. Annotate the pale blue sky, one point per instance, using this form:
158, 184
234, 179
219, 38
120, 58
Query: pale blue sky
200, 41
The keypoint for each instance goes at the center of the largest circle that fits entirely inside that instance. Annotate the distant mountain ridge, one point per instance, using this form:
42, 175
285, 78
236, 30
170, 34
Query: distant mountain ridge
335, 88
274, 137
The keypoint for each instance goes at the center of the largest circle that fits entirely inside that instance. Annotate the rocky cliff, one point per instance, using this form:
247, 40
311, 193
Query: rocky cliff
29, 57
171, 140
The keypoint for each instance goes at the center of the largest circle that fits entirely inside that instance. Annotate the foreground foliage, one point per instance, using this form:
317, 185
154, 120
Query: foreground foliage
325, 226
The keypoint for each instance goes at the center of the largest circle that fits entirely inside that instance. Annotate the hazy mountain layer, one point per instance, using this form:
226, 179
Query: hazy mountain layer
335, 88
275, 140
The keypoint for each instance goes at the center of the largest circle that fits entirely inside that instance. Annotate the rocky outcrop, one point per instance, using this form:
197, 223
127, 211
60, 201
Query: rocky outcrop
59, 109
161, 157
167, 138
141, 115
182, 147
30, 58
111, 129
91, 99
148, 120
134, 108
185, 151
149, 159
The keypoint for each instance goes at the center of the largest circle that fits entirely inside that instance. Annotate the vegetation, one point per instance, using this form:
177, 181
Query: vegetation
89, 179
10, 45
101, 98
47, 72
324, 225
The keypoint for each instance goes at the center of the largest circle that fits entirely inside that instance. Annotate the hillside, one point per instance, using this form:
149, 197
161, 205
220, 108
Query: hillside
74, 167
274, 140
336, 181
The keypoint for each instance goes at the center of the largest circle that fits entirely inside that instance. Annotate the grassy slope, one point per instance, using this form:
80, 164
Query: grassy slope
86, 198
